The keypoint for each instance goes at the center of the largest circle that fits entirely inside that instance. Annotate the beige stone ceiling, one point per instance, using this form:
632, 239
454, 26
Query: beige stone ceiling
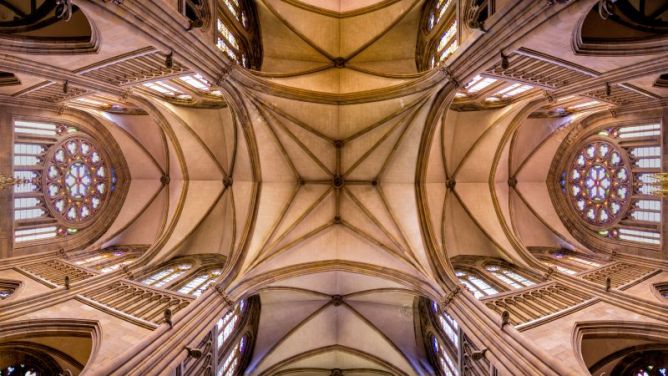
337, 214
334, 244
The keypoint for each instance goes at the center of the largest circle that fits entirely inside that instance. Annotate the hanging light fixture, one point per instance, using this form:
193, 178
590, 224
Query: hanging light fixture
659, 183
10, 181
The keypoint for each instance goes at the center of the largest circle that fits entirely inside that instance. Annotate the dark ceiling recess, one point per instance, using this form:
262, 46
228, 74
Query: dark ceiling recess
662, 81
8, 79
623, 27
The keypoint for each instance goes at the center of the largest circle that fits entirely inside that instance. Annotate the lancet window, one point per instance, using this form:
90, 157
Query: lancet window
109, 259
237, 33
440, 35
476, 284
199, 283
509, 276
569, 262
164, 276
64, 180
448, 348
186, 275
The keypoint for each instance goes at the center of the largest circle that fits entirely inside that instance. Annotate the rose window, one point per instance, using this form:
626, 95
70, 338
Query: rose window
599, 183
77, 181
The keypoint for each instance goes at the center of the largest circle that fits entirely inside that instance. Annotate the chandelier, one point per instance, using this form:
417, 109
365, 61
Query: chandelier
10, 181
659, 184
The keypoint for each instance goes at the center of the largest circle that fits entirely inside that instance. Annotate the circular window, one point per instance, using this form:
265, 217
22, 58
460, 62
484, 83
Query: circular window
77, 180
599, 183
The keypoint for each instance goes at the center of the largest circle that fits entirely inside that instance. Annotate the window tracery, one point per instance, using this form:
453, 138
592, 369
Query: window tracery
448, 348
509, 277
440, 36
166, 275
609, 183
237, 32
110, 259
230, 366
190, 275
444, 340
199, 283
228, 324
476, 284
599, 183
65, 180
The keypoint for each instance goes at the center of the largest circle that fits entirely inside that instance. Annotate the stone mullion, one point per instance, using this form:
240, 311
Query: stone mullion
139, 302
554, 301
513, 308
128, 293
150, 304
540, 297
106, 292
108, 296
566, 300
156, 313
536, 305
567, 290
136, 298
526, 308
565, 294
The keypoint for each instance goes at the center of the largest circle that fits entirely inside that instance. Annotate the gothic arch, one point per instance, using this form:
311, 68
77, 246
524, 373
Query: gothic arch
601, 346
58, 344
612, 36
34, 32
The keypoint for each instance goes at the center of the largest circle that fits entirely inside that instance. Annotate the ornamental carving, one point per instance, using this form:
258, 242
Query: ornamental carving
598, 183
78, 181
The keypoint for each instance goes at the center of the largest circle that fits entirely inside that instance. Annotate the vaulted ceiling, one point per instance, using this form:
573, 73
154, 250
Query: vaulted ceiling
336, 180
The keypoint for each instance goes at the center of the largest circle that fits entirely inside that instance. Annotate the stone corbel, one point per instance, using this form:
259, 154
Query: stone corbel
478, 355
612, 255
195, 353
551, 270
224, 75
550, 98
221, 291
613, 112
448, 74
505, 318
450, 297
126, 270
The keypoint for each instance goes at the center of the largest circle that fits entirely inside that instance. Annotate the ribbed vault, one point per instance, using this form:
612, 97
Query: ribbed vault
337, 253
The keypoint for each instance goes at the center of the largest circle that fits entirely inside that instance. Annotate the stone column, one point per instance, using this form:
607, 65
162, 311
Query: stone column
6, 195
664, 168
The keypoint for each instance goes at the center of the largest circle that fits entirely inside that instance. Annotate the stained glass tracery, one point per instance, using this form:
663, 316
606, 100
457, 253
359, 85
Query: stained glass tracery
77, 180
599, 183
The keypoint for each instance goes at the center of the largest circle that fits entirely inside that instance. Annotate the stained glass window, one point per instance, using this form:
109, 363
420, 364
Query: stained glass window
5, 293
228, 324
78, 180
475, 284
509, 276
230, 365
445, 361
65, 180
599, 183
198, 284
109, 259
166, 275
230, 35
